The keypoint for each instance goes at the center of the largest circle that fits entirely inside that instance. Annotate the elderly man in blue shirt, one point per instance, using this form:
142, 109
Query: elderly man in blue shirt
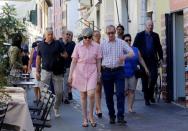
148, 43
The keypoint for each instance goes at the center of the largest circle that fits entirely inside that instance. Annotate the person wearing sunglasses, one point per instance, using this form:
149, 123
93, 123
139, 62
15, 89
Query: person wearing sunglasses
129, 70
85, 73
50, 66
69, 51
69, 46
98, 93
114, 52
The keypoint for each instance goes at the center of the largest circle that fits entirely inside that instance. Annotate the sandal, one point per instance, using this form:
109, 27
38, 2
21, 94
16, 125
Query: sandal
93, 124
84, 124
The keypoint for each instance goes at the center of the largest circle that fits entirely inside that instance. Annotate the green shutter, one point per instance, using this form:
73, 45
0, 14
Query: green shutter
33, 17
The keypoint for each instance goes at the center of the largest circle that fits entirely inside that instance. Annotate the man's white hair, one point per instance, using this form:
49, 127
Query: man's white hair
148, 20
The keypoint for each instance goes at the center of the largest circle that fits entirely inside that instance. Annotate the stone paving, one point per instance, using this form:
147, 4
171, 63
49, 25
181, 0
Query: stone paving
157, 117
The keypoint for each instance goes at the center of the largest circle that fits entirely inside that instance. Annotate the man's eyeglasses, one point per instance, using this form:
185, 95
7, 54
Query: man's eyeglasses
68, 34
128, 40
112, 33
87, 37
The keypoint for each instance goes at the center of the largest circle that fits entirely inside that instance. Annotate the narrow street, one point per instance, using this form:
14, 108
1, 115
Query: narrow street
80, 42
157, 117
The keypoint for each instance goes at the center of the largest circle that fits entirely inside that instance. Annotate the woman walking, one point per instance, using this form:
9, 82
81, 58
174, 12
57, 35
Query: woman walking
129, 70
85, 72
98, 92
15, 57
32, 68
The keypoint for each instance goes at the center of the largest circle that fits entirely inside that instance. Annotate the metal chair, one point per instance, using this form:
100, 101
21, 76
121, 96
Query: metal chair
42, 123
44, 91
37, 111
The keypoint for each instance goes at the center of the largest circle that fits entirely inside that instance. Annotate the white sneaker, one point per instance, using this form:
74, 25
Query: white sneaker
48, 117
57, 112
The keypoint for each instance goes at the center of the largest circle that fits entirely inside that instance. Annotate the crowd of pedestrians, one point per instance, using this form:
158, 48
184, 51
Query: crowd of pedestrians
93, 65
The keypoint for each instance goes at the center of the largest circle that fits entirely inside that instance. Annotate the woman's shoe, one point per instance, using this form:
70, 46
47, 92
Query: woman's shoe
93, 124
85, 124
99, 115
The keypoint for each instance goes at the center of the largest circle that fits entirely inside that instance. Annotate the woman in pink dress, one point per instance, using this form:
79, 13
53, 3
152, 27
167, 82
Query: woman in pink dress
85, 73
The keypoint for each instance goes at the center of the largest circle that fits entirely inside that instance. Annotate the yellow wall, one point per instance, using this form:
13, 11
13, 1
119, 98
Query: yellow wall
162, 7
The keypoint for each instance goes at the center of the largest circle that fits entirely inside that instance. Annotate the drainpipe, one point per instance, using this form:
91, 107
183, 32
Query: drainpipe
117, 12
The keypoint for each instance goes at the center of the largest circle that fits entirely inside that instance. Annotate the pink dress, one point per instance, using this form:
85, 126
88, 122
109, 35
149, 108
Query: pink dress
85, 72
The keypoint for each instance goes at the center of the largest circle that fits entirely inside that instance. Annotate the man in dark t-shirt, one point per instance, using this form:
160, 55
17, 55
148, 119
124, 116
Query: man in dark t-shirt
69, 47
50, 54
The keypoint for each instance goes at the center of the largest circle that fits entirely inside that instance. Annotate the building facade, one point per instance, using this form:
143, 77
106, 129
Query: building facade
99, 13
175, 33
57, 19
34, 13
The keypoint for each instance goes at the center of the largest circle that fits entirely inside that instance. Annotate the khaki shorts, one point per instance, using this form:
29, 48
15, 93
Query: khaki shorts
34, 76
130, 83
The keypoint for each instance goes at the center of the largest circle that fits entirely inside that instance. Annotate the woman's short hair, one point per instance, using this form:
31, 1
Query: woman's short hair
126, 35
17, 40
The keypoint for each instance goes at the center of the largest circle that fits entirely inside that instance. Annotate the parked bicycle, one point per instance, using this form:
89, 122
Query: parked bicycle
158, 87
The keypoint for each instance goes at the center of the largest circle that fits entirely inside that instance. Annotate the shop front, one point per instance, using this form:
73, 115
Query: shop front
175, 46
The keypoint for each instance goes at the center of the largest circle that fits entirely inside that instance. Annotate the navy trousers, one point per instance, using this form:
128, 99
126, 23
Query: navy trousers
109, 79
148, 83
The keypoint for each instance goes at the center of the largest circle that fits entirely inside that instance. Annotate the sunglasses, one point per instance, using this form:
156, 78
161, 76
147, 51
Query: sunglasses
110, 33
68, 34
87, 37
128, 40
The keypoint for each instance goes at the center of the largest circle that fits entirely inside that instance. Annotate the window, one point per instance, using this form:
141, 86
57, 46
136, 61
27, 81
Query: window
149, 15
149, 9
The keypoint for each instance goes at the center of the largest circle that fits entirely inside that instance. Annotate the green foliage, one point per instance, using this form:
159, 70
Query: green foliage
9, 25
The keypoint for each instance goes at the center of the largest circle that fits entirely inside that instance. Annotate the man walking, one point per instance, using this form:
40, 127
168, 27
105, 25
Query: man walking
50, 54
69, 47
150, 48
120, 31
114, 53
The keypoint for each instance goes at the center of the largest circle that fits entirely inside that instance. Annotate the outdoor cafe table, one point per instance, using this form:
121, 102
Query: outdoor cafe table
18, 111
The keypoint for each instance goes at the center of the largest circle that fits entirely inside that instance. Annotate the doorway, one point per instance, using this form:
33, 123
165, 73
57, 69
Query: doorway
178, 58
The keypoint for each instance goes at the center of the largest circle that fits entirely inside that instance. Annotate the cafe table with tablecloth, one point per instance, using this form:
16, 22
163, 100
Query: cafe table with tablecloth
18, 111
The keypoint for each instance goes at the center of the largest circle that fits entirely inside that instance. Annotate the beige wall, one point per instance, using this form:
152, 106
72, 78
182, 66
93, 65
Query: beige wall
162, 7
42, 5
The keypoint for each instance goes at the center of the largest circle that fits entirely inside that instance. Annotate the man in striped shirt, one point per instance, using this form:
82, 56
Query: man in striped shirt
114, 53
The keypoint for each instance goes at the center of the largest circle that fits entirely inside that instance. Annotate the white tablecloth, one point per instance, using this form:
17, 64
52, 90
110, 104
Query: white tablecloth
18, 112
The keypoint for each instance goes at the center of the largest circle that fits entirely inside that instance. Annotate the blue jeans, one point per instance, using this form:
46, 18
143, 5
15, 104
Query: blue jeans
109, 78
